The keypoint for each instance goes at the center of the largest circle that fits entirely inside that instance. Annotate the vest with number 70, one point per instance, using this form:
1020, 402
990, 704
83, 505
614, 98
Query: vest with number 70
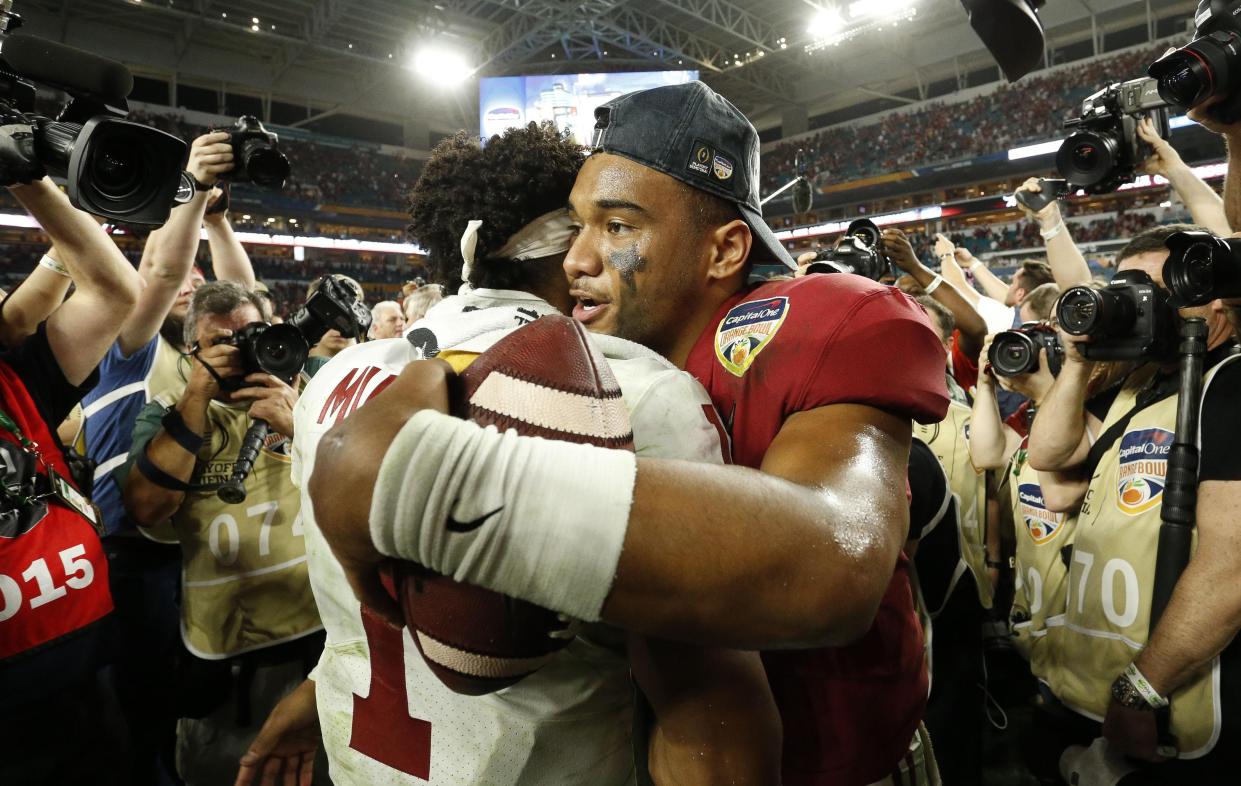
1112, 574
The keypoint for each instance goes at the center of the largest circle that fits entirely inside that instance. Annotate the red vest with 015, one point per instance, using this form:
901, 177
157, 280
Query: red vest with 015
53, 576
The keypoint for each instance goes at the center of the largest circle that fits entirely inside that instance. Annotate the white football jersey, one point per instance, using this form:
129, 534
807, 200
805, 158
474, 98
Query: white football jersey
568, 723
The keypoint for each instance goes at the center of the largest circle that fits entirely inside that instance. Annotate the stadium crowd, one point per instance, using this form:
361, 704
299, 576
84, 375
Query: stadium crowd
1033, 110
820, 528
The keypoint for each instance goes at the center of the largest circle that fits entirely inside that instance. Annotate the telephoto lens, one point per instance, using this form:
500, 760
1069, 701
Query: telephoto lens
1015, 352
1205, 67
1202, 267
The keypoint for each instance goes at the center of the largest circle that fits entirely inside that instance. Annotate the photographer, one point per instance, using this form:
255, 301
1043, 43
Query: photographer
1204, 205
247, 614
55, 704
1109, 663
145, 361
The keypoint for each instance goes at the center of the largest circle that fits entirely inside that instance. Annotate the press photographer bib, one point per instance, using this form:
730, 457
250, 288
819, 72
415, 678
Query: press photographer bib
244, 576
1037, 616
949, 441
1112, 573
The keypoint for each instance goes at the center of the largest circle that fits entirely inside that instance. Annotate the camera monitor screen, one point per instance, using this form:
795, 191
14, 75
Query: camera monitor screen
569, 100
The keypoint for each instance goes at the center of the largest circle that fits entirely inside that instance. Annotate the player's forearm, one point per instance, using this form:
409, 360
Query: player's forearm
1204, 205
229, 259
1058, 431
715, 718
712, 582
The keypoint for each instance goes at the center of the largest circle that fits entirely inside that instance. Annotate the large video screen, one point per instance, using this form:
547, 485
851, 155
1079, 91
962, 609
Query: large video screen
569, 100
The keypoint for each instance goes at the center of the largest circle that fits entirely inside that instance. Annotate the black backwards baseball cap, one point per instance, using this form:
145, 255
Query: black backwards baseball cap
690, 132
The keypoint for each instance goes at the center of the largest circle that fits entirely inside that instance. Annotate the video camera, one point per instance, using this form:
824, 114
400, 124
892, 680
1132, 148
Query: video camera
1202, 268
255, 155
1015, 352
281, 350
1208, 66
113, 168
859, 252
1129, 319
1103, 153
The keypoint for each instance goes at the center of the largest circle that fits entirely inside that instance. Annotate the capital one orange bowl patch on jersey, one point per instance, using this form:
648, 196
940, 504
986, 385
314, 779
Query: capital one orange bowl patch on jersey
1041, 523
746, 329
1143, 467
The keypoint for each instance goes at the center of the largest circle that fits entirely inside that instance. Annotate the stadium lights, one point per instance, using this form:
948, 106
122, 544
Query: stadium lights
826, 24
441, 65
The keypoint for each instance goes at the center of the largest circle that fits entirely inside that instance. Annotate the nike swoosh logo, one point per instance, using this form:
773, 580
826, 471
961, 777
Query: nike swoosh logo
469, 526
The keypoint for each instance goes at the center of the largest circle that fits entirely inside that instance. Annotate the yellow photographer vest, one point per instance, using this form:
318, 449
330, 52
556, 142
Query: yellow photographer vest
1037, 615
1112, 574
949, 441
244, 578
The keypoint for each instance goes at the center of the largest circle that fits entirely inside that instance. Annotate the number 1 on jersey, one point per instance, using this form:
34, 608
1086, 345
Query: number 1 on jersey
382, 726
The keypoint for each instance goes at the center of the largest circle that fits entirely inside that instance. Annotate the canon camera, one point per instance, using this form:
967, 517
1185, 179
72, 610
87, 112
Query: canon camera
1129, 319
281, 350
1209, 66
1015, 352
256, 156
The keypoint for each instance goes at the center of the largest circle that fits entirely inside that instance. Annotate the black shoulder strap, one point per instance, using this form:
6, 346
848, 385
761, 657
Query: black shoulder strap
1166, 387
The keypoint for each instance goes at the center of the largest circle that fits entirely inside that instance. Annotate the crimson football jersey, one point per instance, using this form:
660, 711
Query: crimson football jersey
789, 346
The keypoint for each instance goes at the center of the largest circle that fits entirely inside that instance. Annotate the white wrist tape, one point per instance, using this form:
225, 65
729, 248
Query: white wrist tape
1048, 234
977, 264
934, 285
535, 519
53, 265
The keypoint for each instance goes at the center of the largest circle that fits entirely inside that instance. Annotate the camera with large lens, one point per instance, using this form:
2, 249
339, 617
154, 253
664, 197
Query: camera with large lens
1015, 352
1202, 268
256, 157
281, 350
1103, 153
1208, 66
858, 252
113, 168
1129, 319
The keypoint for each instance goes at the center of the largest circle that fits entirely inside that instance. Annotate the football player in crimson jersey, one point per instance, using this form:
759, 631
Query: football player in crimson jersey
818, 379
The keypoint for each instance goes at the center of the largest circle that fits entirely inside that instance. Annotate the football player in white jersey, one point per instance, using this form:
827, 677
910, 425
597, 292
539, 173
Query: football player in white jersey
383, 715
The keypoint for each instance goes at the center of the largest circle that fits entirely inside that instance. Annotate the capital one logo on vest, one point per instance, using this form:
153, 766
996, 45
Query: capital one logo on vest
1143, 467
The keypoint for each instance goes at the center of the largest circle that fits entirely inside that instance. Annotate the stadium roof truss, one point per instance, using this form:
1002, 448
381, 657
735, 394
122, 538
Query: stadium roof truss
753, 52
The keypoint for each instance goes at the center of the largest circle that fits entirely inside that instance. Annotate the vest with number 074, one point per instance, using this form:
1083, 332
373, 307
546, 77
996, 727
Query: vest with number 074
245, 584
1112, 574
1037, 615
949, 441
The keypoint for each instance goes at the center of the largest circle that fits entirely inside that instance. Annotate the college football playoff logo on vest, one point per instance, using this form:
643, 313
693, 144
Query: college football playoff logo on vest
746, 329
1143, 467
1041, 523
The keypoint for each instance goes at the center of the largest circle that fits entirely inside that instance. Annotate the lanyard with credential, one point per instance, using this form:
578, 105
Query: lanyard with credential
60, 488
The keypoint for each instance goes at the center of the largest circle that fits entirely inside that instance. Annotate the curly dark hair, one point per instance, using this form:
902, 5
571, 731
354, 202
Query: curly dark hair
508, 183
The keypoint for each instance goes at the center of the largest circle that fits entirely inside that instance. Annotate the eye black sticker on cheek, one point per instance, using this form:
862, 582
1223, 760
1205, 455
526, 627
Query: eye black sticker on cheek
627, 262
